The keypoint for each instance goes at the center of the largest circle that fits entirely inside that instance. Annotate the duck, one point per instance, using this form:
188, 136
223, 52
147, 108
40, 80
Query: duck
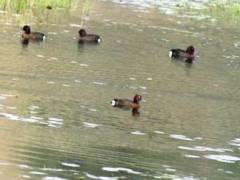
88, 38
33, 36
128, 104
186, 55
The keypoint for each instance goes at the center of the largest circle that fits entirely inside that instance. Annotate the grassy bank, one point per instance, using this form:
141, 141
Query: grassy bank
39, 11
226, 10
20, 5
223, 10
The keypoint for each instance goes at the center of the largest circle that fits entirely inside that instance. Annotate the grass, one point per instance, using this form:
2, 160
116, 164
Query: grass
19, 6
226, 10
39, 11
223, 10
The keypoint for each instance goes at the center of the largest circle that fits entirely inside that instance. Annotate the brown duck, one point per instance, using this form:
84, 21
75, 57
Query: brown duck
88, 38
128, 104
33, 36
187, 55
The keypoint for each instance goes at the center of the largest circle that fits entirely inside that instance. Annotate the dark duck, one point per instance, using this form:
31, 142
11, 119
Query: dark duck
88, 38
186, 55
32, 36
128, 104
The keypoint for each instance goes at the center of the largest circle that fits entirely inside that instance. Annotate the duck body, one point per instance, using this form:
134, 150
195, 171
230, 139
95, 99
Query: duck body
32, 36
37, 36
186, 55
124, 103
88, 38
128, 104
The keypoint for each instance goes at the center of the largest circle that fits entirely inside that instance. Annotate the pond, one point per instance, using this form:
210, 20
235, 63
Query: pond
57, 121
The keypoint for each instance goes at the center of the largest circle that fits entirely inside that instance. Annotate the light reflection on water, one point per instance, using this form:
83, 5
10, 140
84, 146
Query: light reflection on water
57, 121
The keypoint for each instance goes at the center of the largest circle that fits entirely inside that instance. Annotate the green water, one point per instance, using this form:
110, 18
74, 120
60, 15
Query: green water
56, 118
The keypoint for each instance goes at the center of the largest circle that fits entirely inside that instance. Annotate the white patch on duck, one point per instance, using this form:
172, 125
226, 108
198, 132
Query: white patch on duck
44, 37
170, 54
113, 102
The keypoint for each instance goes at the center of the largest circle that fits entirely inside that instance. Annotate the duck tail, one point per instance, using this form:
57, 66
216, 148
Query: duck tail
98, 39
170, 53
114, 102
44, 37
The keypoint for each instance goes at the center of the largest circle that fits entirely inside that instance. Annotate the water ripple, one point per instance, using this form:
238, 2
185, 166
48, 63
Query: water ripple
118, 169
183, 137
235, 142
204, 148
138, 133
223, 158
191, 156
53, 178
101, 177
70, 164
91, 125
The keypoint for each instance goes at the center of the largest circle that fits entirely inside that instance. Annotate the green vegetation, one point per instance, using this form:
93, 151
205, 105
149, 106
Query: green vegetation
227, 10
221, 9
20, 5
40, 11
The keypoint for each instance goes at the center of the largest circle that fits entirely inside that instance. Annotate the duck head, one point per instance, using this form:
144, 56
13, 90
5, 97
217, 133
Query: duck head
26, 29
137, 98
190, 50
82, 32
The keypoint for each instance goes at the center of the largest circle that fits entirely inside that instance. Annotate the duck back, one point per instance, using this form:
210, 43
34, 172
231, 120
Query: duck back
37, 36
90, 38
176, 53
122, 103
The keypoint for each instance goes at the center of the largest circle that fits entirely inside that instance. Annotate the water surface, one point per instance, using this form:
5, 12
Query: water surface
56, 118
